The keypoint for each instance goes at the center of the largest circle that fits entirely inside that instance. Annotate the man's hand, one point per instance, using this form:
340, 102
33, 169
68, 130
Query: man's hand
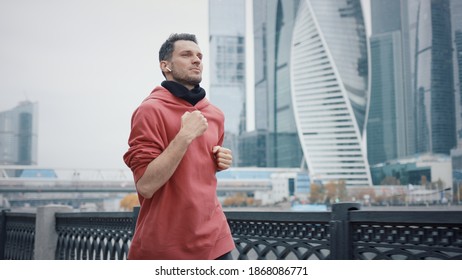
193, 125
223, 157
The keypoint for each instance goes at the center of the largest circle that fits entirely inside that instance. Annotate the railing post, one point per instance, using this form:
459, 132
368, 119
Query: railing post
340, 233
46, 237
2, 233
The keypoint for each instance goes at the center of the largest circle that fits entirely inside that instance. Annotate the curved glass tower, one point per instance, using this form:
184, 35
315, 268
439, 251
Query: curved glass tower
329, 67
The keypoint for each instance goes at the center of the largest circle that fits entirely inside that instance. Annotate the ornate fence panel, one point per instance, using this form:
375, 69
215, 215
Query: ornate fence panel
410, 235
94, 236
280, 235
18, 236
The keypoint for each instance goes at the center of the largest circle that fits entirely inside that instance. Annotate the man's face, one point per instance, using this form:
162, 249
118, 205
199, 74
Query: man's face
186, 63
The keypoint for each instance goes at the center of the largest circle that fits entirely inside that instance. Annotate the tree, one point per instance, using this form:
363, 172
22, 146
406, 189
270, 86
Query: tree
239, 199
316, 193
336, 191
129, 202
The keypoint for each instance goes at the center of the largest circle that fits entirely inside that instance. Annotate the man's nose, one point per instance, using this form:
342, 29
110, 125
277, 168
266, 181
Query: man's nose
196, 59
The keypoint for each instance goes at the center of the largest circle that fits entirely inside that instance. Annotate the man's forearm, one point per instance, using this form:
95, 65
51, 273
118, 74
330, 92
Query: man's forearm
162, 168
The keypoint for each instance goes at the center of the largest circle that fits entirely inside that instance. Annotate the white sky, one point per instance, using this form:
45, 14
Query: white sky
88, 64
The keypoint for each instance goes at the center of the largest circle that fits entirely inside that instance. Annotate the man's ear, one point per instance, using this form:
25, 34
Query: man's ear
164, 66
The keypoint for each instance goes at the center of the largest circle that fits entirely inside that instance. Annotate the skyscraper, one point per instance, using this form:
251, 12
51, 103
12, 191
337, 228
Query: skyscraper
329, 71
432, 73
273, 26
18, 135
456, 16
390, 125
227, 66
412, 94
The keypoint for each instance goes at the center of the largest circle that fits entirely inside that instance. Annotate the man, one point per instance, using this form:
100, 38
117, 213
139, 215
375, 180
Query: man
175, 151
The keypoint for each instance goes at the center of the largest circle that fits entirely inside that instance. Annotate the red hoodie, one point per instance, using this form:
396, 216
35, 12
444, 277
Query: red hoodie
183, 219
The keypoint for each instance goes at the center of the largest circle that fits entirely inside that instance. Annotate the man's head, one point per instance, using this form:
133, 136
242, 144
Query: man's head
180, 60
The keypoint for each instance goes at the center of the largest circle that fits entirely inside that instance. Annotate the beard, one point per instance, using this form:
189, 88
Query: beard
185, 79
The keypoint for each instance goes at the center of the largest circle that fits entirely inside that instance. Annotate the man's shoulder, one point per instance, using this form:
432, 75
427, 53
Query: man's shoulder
215, 109
155, 98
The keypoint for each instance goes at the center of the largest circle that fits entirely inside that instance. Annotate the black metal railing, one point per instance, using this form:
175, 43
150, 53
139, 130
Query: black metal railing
344, 233
280, 235
85, 236
408, 235
17, 236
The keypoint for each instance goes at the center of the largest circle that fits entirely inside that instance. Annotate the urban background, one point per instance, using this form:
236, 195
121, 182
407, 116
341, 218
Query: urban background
325, 101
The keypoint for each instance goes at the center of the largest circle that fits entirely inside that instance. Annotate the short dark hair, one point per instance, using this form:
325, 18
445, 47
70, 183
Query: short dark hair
166, 50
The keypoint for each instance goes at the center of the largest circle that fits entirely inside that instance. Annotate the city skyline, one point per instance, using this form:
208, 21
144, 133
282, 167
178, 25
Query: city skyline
97, 139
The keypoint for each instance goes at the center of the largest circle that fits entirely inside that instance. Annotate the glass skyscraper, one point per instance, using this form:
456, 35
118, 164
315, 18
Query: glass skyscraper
432, 73
227, 67
329, 73
386, 131
412, 88
390, 124
456, 16
274, 116
18, 135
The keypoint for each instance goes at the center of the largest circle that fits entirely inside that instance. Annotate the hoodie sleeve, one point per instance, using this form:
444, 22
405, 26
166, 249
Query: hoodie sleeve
146, 141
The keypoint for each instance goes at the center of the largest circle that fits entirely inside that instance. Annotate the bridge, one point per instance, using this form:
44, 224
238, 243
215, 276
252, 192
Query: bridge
25, 179
14, 179
35, 185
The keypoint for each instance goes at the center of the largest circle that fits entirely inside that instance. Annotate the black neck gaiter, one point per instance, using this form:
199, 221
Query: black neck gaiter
192, 96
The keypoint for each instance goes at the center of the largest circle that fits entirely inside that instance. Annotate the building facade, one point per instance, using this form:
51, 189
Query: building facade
432, 73
273, 22
456, 21
390, 125
329, 78
386, 128
19, 135
412, 107
227, 67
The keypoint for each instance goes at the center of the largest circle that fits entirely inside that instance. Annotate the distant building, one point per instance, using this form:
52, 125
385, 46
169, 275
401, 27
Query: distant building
329, 80
273, 22
416, 170
253, 148
265, 186
387, 128
412, 106
456, 16
227, 67
19, 135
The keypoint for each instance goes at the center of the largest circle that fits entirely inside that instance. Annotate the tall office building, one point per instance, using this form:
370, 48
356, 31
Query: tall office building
412, 94
18, 135
329, 71
432, 73
456, 16
390, 124
227, 67
273, 22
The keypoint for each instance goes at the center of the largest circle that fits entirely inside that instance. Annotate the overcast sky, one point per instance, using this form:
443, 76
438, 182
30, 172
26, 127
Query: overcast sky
88, 64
